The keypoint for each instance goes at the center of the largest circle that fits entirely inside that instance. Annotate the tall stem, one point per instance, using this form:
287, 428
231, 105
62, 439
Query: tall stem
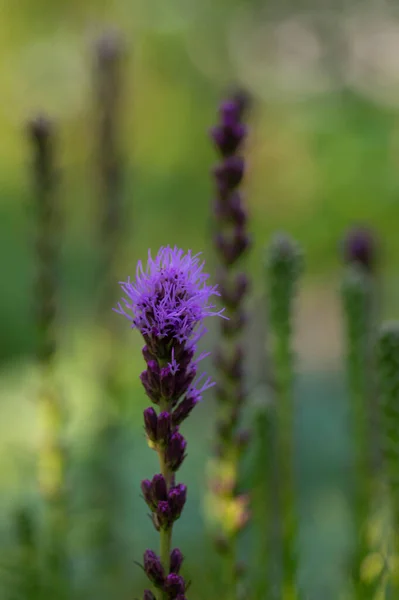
284, 263
52, 456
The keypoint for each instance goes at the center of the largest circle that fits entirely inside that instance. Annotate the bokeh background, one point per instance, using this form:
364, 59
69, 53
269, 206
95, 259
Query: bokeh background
323, 155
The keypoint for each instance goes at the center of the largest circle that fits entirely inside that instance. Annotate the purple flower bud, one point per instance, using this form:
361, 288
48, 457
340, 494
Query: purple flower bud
148, 595
163, 429
164, 518
360, 248
174, 585
184, 379
159, 489
176, 560
147, 354
175, 451
228, 137
229, 173
177, 498
146, 488
230, 112
151, 391
167, 383
185, 407
153, 568
231, 248
150, 423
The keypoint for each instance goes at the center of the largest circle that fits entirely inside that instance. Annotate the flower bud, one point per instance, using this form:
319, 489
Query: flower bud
153, 568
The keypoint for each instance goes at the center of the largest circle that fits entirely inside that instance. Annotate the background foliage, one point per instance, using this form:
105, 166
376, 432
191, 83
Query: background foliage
323, 155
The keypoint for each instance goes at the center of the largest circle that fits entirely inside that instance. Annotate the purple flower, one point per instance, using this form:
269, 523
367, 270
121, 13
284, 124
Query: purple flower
167, 303
169, 298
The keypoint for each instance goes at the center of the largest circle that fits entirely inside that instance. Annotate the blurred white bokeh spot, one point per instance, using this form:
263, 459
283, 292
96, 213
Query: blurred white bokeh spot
373, 55
280, 60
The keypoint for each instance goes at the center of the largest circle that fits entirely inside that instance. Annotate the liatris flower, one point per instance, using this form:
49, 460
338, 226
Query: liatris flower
52, 453
284, 264
168, 302
231, 242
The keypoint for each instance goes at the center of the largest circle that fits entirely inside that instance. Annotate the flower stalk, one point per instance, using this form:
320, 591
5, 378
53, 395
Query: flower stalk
52, 453
356, 296
231, 241
167, 303
388, 370
284, 264
108, 84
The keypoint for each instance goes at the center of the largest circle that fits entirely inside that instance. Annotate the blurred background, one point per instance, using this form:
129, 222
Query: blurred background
323, 155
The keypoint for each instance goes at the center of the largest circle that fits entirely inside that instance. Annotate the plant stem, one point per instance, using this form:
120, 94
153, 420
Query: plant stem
285, 458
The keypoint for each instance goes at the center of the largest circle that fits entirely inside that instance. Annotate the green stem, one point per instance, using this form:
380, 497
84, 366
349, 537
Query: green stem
285, 459
165, 536
261, 504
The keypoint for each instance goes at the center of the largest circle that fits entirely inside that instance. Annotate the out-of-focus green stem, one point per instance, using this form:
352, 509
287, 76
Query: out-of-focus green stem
261, 503
52, 454
388, 368
283, 265
357, 303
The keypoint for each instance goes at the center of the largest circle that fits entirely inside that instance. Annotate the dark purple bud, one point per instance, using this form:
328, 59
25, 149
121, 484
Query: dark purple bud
176, 560
164, 518
184, 357
228, 137
147, 354
151, 391
185, 407
146, 488
159, 488
360, 248
163, 429
167, 382
232, 292
150, 423
148, 595
175, 451
177, 498
174, 585
153, 568
184, 379
230, 112
231, 248
229, 173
